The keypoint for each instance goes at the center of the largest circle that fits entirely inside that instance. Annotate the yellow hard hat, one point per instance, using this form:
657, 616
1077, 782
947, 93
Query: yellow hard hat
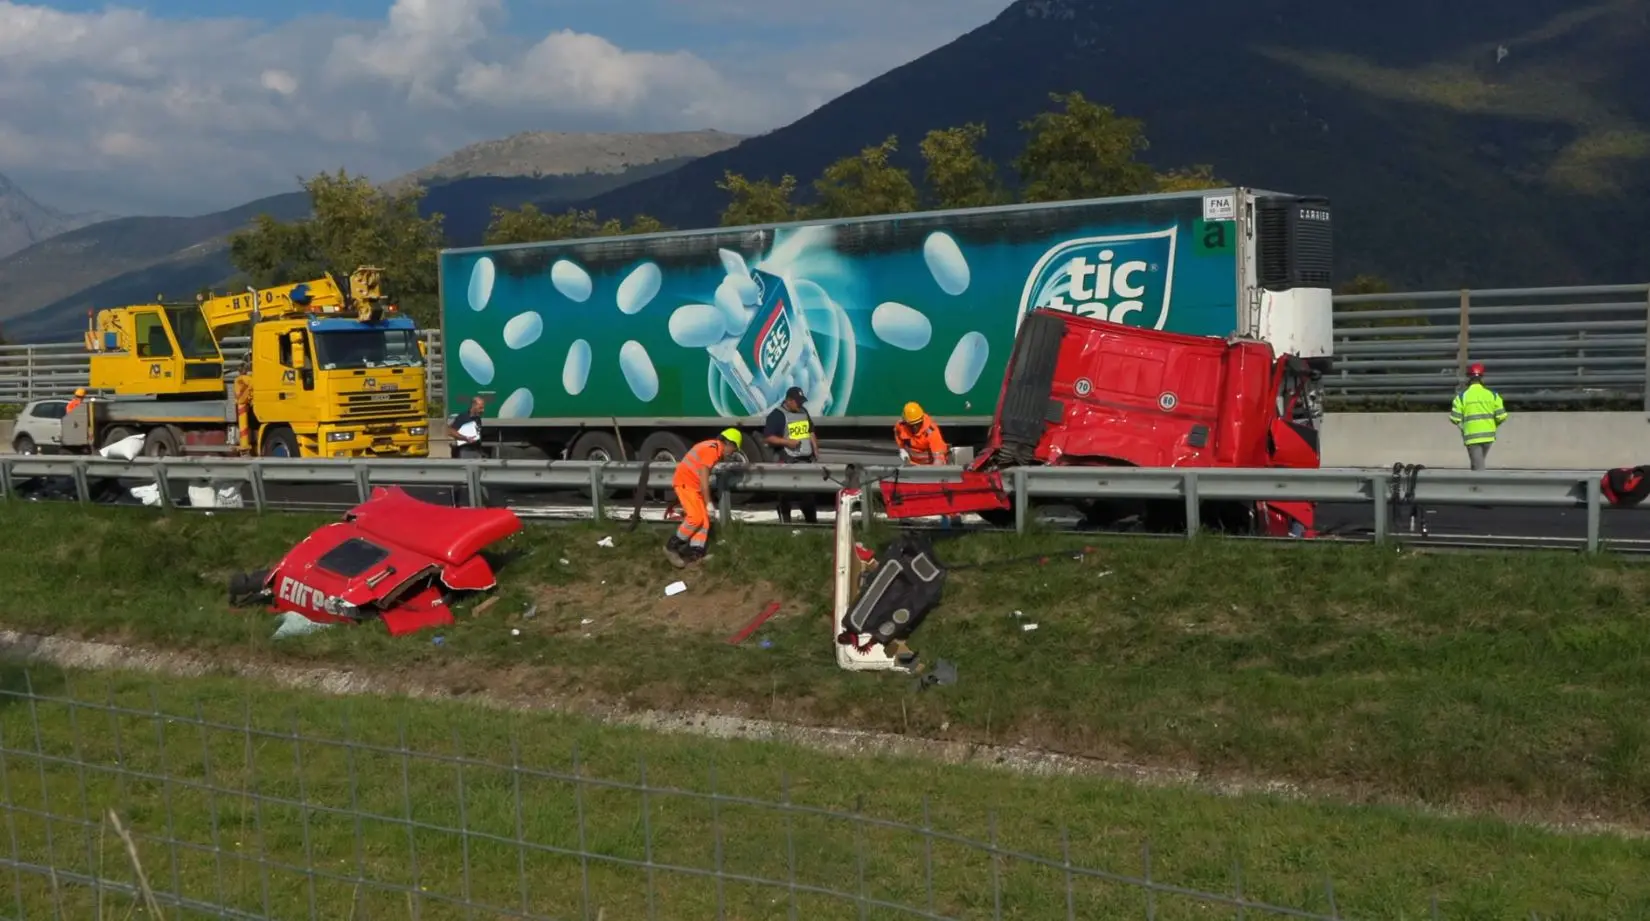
80, 391
913, 413
734, 436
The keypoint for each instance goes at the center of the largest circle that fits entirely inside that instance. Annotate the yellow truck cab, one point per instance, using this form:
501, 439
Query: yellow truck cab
331, 376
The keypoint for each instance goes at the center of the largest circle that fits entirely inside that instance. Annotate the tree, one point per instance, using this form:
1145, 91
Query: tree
955, 173
352, 223
865, 184
1190, 179
758, 201
530, 225
1085, 151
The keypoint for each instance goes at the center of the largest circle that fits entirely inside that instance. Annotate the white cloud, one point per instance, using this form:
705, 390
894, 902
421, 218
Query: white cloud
119, 110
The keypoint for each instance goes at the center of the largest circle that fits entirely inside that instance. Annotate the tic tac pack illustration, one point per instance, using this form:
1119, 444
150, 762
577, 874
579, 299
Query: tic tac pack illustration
774, 348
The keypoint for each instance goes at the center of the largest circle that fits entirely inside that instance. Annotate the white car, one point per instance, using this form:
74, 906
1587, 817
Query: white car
39, 427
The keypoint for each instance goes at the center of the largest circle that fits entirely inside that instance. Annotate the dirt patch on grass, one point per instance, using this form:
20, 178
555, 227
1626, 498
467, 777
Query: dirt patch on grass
708, 606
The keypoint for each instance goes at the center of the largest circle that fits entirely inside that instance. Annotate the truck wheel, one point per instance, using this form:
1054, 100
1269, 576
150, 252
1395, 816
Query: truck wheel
280, 443
595, 448
662, 448
999, 517
160, 442
114, 434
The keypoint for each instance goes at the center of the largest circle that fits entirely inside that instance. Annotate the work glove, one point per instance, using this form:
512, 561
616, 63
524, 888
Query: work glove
904, 456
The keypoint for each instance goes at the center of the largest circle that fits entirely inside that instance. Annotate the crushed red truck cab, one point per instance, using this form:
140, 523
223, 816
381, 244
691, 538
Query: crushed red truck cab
393, 557
1085, 392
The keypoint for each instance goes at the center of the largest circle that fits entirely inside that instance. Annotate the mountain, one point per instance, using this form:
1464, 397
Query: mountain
46, 288
538, 154
1488, 145
24, 221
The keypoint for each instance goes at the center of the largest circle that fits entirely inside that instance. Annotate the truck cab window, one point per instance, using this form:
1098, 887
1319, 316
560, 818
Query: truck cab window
150, 332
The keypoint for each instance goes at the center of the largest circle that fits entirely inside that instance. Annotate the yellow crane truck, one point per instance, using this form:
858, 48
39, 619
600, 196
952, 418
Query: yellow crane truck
331, 376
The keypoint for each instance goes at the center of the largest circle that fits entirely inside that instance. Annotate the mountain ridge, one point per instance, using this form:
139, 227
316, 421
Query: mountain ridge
25, 221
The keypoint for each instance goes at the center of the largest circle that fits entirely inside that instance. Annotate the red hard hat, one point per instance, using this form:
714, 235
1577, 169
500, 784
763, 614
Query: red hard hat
1475, 369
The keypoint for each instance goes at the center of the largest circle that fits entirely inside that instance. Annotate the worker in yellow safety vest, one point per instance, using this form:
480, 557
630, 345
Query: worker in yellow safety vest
1479, 413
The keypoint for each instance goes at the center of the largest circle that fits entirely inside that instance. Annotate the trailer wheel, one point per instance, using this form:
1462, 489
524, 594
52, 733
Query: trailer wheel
280, 443
160, 442
595, 448
662, 448
25, 445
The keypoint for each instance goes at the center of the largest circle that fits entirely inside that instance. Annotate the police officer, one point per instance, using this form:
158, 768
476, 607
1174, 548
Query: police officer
790, 429
1478, 412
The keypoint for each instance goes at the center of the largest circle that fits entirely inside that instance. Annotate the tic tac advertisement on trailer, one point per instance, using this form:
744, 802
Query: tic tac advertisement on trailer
862, 315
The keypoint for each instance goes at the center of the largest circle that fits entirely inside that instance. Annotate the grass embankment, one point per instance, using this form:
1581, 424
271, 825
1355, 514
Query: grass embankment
242, 792
1508, 683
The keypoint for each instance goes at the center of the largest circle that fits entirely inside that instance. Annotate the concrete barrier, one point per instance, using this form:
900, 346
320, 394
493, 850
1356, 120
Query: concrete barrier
1529, 441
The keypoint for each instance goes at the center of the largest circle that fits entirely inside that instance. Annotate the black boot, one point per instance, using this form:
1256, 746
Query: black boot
673, 551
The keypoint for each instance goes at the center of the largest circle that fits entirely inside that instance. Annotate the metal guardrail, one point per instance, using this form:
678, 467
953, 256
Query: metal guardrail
1362, 486
1539, 345
36, 372
1553, 346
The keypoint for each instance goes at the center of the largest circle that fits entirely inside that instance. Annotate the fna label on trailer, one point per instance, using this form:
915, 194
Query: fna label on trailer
636, 346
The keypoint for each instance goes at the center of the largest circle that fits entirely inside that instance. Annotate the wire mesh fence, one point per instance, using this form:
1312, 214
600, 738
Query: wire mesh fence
111, 805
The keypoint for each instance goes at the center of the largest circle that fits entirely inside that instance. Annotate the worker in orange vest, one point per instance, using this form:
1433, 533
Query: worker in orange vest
918, 438
692, 485
74, 404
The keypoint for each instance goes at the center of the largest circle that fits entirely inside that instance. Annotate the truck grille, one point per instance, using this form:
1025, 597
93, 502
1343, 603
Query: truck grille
379, 404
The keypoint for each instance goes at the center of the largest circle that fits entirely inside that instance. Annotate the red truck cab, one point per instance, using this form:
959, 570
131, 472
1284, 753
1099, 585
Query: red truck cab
1085, 392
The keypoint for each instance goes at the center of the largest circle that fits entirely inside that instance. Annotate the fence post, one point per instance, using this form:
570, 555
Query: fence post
1595, 510
1463, 339
28, 382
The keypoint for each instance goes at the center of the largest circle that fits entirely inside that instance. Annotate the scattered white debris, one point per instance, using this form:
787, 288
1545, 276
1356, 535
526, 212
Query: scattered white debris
515, 631
565, 561
586, 622
1028, 627
605, 542
675, 588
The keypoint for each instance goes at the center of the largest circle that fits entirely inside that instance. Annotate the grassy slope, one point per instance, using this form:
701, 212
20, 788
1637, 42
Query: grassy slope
241, 788
1514, 682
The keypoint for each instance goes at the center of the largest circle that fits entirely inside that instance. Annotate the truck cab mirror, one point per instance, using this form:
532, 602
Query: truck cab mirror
423, 348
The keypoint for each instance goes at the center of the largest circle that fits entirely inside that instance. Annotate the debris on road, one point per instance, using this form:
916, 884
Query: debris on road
393, 558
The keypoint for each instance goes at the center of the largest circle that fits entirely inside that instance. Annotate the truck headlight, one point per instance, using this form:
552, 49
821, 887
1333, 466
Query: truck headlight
340, 436
418, 431
338, 607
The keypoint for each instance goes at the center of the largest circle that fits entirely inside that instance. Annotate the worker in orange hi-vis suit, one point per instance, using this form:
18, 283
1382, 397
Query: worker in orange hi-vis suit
918, 438
692, 485
243, 405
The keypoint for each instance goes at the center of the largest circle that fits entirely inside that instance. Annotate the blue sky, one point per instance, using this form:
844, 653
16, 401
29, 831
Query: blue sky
175, 107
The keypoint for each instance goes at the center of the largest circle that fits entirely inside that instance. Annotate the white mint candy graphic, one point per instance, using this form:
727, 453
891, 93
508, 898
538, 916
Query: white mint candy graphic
946, 263
576, 371
735, 314
638, 371
697, 326
475, 361
518, 405
639, 288
740, 274
901, 326
481, 283
962, 372
523, 330
572, 281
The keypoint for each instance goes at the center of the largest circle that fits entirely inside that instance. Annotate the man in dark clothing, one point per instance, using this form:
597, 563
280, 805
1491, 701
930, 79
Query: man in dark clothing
791, 431
465, 431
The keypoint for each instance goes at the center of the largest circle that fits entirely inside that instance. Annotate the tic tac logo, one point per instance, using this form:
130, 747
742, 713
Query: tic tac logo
774, 341
1124, 279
